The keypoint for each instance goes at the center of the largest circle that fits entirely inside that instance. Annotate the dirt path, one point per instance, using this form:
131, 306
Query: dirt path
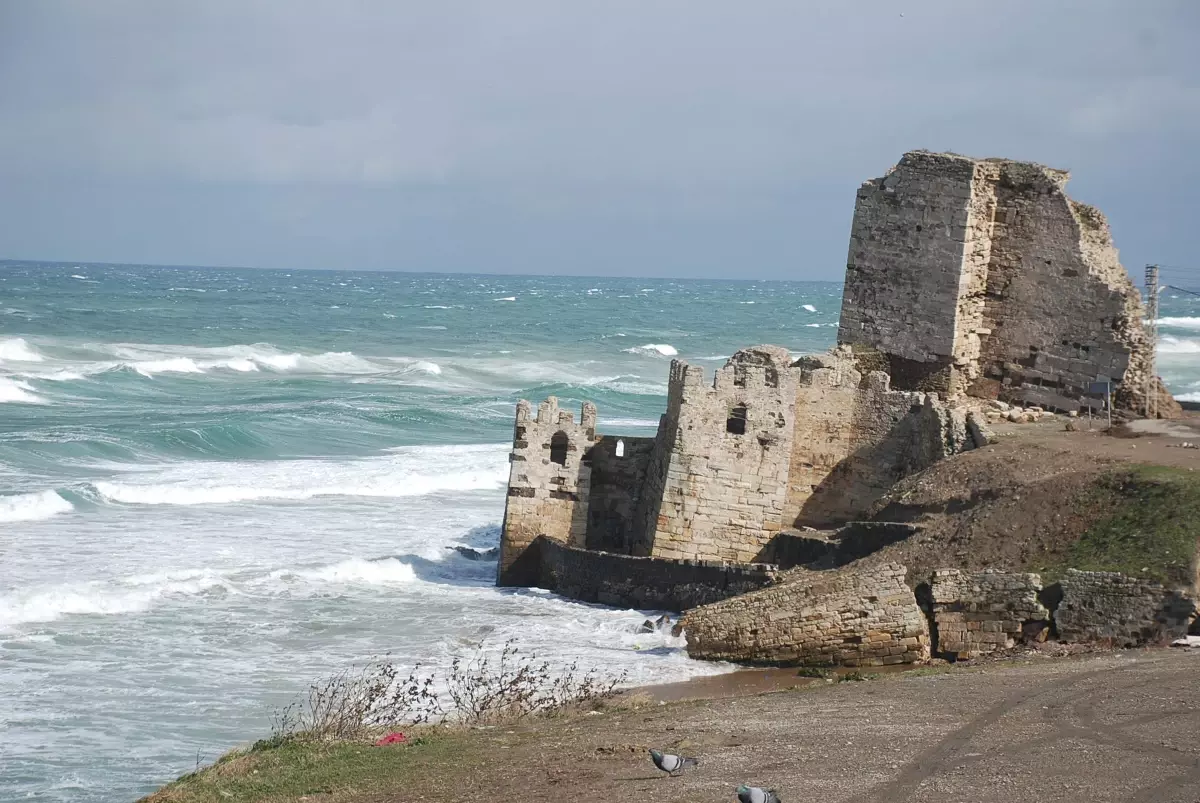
1123, 727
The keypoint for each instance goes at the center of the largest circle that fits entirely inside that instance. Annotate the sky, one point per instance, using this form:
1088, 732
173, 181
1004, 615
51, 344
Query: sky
679, 138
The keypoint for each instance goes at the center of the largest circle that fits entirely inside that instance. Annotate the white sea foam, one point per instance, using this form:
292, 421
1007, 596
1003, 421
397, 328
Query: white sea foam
663, 349
16, 390
507, 298
18, 350
808, 307
176, 365
608, 424
355, 571
1169, 344
33, 507
103, 598
153, 360
813, 325
1180, 323
406, 471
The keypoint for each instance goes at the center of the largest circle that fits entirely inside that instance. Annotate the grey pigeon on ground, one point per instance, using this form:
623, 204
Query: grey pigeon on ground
671, 764
754, 794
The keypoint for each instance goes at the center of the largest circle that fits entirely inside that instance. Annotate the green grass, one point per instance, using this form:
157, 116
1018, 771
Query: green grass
273, 771
1151, 530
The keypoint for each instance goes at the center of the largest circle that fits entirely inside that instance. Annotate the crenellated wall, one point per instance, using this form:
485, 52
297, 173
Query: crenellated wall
726, 450
768, 444
545, 496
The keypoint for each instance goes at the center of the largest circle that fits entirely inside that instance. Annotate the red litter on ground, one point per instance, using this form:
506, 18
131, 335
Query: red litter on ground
391, 738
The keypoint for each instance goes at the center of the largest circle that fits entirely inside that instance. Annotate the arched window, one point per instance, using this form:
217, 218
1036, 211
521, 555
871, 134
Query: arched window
736, 423
558, 448
620, 448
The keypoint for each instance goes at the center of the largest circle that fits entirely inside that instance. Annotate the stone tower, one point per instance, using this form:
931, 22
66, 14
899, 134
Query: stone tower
981, 277
548, 483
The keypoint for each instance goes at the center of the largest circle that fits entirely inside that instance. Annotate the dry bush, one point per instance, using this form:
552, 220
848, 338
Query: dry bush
484, 689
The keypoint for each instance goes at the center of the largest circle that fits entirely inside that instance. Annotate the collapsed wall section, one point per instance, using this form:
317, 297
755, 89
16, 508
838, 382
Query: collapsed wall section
548, 485
984, 612
1126, 611
846, 617
1060, 309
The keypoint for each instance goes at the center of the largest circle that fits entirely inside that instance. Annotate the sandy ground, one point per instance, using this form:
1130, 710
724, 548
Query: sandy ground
1116, 727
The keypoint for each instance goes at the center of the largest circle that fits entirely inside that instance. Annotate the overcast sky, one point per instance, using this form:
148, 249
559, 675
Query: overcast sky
705, 138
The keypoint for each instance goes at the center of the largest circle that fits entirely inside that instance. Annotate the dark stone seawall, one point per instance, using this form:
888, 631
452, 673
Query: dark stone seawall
643, 583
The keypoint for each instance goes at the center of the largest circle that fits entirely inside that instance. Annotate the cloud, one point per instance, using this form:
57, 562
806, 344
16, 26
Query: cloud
629, 101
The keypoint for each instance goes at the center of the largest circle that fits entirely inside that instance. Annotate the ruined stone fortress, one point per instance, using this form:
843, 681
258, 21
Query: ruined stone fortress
966, 280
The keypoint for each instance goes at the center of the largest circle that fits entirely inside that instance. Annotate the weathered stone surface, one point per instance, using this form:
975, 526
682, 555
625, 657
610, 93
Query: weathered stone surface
981, 276
768, 445
642, 582
545, 497
1128, 611
847, 617
983, 612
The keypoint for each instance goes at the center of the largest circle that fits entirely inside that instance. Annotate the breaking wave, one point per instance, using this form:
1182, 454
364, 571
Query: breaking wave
663, 349
102, 598
33, 507
153, 360
1169, 344
382, 572
1180, 323
18, 350
405, 471
14, 390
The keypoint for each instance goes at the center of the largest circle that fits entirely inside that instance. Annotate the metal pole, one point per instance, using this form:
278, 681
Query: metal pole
1152, 336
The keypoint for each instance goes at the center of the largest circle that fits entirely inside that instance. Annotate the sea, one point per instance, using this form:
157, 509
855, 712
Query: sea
217, 486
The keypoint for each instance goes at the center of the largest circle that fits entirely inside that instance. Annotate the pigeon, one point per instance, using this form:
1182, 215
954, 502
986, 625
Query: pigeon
754, 794
671, 764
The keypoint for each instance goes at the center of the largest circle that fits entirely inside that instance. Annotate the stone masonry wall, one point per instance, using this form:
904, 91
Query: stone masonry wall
544, 496
905, 264
982, 276
643, 583
618, 478
723, 483
848, 617
855, 439
1102, 606
983, 612
1060, 310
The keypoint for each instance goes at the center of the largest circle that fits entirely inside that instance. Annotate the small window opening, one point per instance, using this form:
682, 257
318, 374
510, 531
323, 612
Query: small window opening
558, 448
620, 448
772, 377
736, 423
739, 376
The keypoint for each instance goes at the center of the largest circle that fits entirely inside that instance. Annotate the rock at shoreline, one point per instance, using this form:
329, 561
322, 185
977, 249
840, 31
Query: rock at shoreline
477, 554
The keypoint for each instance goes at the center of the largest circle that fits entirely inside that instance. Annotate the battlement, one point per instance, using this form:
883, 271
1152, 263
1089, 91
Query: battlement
549, 481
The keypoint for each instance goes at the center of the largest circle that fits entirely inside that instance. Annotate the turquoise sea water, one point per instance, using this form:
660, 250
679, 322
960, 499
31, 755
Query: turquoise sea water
218, 485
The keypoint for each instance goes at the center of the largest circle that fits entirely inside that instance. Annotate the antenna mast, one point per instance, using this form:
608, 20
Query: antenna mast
1152, 336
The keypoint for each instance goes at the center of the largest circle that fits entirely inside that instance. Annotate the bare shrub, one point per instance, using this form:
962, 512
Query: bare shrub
483, 689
